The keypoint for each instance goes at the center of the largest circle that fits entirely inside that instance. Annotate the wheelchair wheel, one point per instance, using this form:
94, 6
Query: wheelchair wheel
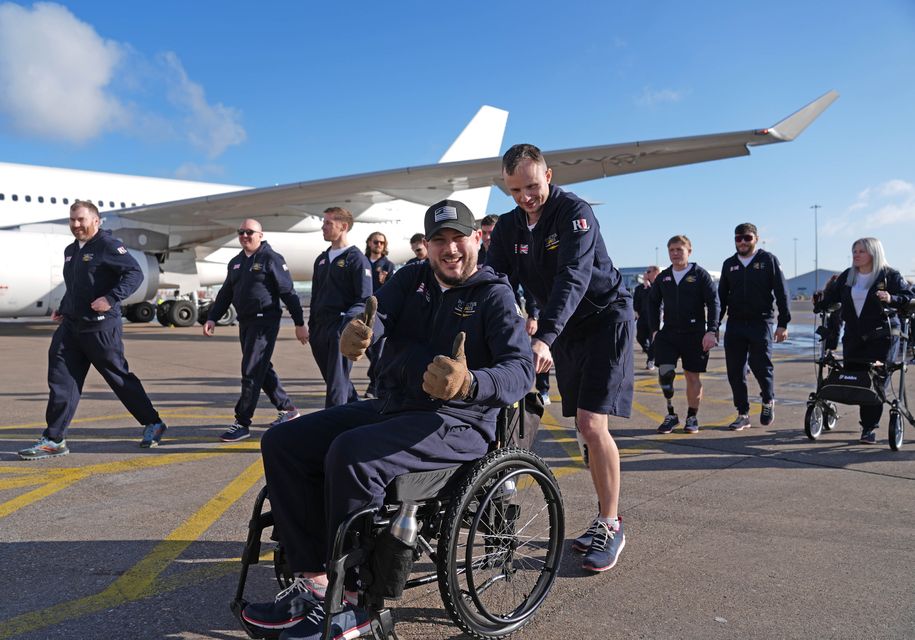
895, 431
831, 415
501, 543
813, 421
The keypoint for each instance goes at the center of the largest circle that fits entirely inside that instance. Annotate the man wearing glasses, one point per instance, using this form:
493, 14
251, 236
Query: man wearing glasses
257, 280
751, 280
376, 250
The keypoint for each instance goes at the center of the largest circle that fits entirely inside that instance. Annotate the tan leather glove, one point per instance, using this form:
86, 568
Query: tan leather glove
357, 335
448, 378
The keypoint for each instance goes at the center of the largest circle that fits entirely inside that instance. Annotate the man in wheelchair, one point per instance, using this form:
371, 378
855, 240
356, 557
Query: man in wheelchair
437, 408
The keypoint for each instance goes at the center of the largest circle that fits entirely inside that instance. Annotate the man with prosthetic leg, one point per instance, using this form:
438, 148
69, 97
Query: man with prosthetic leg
690, 303
456, 353
551, 245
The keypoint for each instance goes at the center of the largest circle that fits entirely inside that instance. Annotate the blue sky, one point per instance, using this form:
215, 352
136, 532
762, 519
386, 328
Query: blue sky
263, 93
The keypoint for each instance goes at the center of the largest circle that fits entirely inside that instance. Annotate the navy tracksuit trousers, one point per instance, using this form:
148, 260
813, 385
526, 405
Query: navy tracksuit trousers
69, 357
749, 341
323, 466
325, 345
257, 343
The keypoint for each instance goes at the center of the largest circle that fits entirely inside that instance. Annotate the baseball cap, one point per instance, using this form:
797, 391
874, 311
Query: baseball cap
449, 214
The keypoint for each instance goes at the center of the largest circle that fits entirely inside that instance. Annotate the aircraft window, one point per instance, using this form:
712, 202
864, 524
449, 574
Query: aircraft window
123, 206
40, 198
15, 198
2, 197
101, 203
133, 204
53, 200
28, 198
66, 201
110, 204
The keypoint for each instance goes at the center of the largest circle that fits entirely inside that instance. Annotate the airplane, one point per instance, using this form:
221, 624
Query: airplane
182, 232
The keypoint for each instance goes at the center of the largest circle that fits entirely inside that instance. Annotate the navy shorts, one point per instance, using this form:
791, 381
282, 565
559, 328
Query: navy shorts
687, 347
594, 367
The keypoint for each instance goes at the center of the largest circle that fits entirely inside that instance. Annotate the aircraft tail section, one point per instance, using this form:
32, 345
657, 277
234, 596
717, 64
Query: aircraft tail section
481, 138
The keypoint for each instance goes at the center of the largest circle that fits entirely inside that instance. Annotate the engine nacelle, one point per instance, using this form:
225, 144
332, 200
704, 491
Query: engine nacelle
32, 278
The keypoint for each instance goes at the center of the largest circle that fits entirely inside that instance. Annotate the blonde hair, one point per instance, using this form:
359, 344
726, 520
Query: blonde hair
873, 247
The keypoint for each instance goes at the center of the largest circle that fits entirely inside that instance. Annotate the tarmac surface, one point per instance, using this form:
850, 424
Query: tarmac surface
755, 534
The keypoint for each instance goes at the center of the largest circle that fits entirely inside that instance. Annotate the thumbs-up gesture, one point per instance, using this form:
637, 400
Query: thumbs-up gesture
357, 335
448, 378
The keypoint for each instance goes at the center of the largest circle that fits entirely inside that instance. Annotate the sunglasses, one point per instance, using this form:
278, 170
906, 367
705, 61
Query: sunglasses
378, 242
747, 237
247, 232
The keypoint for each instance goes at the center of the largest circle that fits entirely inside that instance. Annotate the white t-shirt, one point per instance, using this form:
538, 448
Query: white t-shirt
748, 259
333, 253
678, 275
863, 282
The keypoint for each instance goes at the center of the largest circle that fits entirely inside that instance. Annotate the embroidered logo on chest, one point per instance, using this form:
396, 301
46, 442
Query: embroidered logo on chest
465, 309
551, 242
257, 266
522, 249
87, 257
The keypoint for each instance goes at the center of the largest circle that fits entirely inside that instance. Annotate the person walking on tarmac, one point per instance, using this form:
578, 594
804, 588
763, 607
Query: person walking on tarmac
751, 280
551, 245
456, 353
376, 250
341, 283
98, 274
640, 306
690, 325
256, 281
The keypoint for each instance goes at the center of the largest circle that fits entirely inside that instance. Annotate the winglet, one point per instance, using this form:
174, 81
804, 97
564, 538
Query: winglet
792, 126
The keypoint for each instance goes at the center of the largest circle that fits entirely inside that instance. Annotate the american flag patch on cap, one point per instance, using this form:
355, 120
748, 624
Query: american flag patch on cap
446, 213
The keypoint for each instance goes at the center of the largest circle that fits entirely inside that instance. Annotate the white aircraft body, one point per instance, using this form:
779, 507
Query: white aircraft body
183, 233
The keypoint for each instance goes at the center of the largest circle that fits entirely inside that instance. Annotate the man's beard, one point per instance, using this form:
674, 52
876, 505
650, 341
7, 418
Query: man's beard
470, 267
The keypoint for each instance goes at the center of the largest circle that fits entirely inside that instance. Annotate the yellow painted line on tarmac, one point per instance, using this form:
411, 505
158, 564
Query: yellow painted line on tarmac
141, 580
63, 478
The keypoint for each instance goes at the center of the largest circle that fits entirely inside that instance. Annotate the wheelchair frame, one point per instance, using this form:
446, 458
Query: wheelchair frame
475, 501
822, 414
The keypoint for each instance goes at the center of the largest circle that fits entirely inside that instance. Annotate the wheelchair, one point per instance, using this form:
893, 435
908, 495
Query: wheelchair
868, 383
492, 531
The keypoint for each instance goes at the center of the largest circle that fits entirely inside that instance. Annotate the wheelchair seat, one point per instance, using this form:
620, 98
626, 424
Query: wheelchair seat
424, 485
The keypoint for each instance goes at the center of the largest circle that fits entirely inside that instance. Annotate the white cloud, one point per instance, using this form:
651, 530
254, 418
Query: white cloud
653, 97
193, 171
59, 79
889, 203
211, 128
54, 74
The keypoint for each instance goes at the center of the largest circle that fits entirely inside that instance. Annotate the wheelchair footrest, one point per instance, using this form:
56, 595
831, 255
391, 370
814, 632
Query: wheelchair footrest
383, 625
237, 606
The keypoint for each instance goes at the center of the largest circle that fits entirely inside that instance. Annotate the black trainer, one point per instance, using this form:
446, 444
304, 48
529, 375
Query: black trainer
290, 606
669, 423
767, 413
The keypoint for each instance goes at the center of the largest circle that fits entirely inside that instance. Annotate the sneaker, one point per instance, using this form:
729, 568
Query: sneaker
742, 422
868, 436
44, 448
582, 543
546, 399
669, 423
352, 622
285, 416
606, 547
152, 434
649, 366
692, 424
235, 432
767, 413
290, 606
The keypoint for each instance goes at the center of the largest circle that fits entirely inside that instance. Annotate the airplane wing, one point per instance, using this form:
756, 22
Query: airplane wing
299, 206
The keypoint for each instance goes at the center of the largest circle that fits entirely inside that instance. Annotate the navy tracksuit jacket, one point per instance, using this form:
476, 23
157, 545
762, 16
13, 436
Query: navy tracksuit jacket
325, 465
339, 288
256, 284
382, 269
101, 268
689, 307
747, 295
